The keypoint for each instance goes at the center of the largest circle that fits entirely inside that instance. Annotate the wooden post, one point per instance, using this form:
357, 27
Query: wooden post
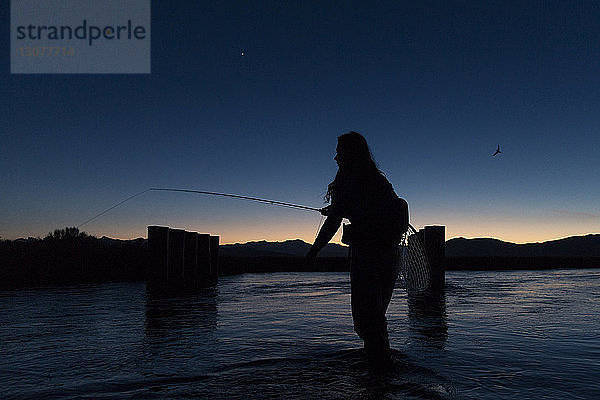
181, 260
158, 249
203, 258
434, 241
190, 259
214, 258
176, 255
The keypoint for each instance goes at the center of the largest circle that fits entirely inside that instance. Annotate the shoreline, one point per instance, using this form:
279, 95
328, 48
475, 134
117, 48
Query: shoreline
125, 266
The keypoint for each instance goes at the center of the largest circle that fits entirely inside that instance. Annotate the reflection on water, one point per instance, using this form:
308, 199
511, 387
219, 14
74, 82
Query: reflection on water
427, 319
168, 313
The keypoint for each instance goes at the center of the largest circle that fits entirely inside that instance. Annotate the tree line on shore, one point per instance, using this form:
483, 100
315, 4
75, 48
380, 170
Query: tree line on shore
69, 256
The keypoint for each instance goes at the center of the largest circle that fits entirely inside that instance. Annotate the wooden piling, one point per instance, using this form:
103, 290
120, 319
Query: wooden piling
181, 260
176, 255
190, 259
158, 248
214, 258
434, 241
203, 258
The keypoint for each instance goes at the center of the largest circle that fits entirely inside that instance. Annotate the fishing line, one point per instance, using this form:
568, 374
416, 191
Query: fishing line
237, 196
319, 227
110, 208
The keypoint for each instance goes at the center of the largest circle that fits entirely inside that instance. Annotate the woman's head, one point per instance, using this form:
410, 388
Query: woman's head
354, 160
353, 154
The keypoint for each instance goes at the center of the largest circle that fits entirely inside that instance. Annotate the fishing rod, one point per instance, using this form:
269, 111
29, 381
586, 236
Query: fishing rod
237, 196
415, 265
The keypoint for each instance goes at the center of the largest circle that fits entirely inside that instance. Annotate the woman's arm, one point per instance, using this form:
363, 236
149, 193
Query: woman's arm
329, 228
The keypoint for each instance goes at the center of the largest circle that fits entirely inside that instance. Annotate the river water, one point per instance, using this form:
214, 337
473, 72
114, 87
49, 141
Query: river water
493, 335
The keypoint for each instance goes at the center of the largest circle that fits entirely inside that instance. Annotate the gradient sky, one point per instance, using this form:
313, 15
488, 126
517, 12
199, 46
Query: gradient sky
433, 86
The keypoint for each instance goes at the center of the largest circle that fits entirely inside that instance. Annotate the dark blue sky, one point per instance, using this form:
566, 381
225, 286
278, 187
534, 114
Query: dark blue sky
433, 86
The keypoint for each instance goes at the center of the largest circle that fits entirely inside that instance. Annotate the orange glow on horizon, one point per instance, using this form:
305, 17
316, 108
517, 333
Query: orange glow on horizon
233, 229
281, 234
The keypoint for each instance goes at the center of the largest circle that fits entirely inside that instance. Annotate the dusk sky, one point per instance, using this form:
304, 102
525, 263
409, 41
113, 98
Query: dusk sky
433, 86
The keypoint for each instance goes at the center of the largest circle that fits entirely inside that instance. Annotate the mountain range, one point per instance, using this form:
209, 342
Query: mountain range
288, 248
574, 246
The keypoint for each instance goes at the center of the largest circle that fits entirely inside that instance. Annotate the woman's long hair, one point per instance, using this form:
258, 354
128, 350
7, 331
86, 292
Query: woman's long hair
355, 161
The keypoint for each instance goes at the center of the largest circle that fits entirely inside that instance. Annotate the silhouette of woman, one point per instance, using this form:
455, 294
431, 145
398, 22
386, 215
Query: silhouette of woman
361, 193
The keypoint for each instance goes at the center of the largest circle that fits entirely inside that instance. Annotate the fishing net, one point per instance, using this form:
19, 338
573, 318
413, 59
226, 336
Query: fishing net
413, 262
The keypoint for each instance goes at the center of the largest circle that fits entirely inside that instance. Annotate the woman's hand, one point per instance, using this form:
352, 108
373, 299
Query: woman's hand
325, 210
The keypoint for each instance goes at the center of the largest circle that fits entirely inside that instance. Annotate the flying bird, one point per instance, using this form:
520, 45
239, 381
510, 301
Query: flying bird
497, 151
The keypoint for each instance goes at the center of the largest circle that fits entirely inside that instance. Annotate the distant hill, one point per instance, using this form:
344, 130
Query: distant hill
288, 248
110, 242
574, 246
